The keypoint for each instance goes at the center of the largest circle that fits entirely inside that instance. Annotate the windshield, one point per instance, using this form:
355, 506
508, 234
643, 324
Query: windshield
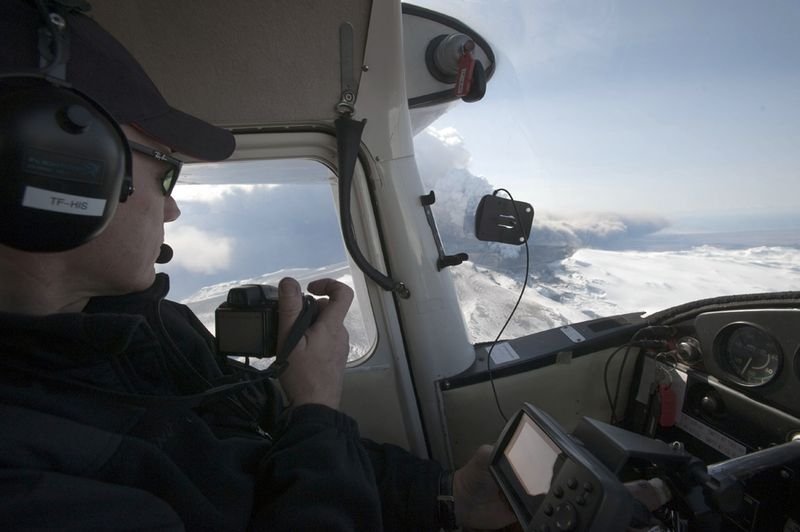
659, 144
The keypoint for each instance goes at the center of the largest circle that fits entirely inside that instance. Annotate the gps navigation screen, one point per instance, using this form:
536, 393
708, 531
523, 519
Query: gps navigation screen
532, 456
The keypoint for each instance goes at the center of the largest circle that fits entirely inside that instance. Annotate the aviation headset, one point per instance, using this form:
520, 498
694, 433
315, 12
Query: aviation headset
65, 163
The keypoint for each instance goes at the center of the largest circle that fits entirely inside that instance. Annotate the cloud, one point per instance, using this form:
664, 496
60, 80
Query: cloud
439, 151
250, 231
199, 251
443, 160
210, 193
594, 229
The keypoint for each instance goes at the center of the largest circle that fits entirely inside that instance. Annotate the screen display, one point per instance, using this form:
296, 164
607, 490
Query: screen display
532, 456
240, 332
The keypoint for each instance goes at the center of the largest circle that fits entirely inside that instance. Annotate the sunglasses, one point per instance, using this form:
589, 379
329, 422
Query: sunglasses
170, 177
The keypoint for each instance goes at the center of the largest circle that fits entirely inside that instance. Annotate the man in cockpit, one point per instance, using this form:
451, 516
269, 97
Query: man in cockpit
115, 410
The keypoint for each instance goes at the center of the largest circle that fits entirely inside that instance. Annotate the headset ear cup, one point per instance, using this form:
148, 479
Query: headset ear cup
64, 166
126, 188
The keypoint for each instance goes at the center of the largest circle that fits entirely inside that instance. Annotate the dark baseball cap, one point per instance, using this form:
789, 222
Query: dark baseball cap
101, 68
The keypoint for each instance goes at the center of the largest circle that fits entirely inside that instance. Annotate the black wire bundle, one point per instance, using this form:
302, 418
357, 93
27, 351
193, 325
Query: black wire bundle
516, 305
634, 342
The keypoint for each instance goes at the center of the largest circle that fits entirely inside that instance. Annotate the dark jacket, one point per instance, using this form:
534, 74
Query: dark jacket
123, 417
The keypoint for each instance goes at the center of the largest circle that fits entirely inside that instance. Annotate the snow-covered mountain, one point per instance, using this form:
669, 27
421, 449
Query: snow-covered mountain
593, 283
587, 284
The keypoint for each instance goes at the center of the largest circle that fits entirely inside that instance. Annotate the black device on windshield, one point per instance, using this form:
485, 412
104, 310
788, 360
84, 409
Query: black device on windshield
552, 482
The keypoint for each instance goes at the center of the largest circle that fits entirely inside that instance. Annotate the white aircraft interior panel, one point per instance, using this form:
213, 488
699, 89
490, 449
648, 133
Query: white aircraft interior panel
246, 59
370, 395
568, 390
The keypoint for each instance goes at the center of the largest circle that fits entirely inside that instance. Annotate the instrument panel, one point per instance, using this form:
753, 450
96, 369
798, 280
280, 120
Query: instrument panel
718, 420
750, 355
737, 377
754, 351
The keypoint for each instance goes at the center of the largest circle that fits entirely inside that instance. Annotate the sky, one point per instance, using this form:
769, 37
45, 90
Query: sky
681, 107
617, 120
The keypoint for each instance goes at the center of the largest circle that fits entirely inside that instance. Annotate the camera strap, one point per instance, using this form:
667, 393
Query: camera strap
307, 315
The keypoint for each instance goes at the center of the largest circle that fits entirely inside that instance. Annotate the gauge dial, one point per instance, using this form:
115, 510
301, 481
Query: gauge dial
750, 355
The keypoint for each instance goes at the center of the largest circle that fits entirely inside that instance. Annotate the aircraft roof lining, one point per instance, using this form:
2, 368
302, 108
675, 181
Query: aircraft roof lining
242, 67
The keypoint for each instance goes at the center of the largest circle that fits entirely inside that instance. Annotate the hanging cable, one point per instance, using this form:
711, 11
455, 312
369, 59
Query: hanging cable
635, 341
516, 305
612, 402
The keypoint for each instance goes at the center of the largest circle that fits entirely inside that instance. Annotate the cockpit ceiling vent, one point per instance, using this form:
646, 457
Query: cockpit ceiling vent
241, 63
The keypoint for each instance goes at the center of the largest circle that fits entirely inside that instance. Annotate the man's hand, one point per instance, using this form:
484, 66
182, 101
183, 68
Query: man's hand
316, 365
479, 503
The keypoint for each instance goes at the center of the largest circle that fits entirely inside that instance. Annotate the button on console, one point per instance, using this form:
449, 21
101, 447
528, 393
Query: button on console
566, 517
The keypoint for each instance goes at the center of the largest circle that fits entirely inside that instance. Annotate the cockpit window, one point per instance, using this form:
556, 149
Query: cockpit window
658, 143
279, 219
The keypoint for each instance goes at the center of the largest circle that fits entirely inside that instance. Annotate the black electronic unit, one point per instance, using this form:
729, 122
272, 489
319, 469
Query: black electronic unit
503, 220
247, 323
554, 483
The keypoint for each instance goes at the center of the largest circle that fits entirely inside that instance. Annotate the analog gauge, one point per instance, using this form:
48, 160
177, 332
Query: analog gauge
750, 355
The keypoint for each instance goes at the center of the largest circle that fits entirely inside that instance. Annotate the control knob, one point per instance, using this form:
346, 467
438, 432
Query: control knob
711, 404
689, 351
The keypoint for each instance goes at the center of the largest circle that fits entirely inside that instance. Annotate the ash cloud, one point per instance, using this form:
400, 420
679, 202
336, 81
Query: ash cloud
443, 161
599, 230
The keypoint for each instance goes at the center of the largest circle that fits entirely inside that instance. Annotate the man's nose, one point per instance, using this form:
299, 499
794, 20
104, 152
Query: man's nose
171, 210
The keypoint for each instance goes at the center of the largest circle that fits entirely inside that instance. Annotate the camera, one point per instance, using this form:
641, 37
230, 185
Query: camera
247, 323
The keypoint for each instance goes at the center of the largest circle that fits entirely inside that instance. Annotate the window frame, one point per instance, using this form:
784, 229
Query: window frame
309, 144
